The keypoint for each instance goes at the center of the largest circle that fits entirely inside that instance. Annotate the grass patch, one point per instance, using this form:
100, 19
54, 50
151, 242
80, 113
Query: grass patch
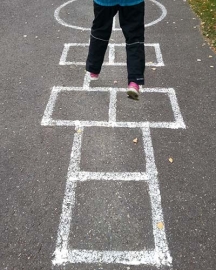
206, 10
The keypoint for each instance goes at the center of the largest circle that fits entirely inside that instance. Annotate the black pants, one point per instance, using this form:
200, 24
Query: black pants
131, 20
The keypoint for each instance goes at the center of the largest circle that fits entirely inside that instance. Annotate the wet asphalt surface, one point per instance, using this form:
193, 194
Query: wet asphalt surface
34, 158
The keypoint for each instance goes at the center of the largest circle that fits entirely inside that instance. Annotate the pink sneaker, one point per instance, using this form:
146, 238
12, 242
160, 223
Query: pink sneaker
93, 76
133, 90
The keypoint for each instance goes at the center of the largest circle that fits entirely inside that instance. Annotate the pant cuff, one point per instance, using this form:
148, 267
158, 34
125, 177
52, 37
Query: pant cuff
91, 70
139, 81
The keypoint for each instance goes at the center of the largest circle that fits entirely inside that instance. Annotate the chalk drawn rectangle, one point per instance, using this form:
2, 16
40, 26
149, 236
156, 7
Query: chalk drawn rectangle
156, 256
48, 120
112, 215
79, 105
112, 150
151, 107
77, 50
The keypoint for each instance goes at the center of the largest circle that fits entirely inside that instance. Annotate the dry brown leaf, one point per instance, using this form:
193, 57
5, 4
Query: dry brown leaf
160, 225
135, 140
171, 160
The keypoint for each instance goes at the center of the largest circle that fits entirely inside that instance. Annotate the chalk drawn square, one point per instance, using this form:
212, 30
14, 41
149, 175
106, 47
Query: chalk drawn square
76, 54
111, 215
152, 53
112, 150
83, 106
151, 107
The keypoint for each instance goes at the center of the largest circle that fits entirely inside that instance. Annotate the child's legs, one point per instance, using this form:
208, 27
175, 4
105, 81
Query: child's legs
132, 23
100, 34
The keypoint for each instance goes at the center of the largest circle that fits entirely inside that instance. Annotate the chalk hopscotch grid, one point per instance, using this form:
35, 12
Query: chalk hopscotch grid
158, 257
47, 119
111, 54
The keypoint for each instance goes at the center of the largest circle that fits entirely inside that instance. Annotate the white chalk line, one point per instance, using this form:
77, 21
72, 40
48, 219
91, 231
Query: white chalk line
112, 106
108, 257
176, 108
62, 22
149, 153
118, 64
159, 256
118, 257
158, 54
109, 176
86, 82
69, 123
50, 107
161, 245
163, 15
111, 55
69, 198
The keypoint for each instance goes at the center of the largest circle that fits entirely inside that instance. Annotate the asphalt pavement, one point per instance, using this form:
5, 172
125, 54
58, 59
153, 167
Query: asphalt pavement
90, 179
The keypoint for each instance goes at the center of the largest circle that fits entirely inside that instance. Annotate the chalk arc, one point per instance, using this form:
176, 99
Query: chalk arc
62, 22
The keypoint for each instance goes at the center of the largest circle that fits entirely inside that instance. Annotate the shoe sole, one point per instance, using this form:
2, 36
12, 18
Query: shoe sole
93, 79
133, 93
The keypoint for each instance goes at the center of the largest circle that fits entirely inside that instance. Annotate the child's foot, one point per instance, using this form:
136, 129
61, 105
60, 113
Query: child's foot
93, 76
133, 90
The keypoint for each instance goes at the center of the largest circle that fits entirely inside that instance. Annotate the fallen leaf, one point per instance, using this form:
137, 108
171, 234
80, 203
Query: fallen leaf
171, 160
135, 140
160, 225
79, 131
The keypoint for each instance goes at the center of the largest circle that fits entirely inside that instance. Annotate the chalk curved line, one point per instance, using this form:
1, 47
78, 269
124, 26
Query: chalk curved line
163, 15
62, 22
